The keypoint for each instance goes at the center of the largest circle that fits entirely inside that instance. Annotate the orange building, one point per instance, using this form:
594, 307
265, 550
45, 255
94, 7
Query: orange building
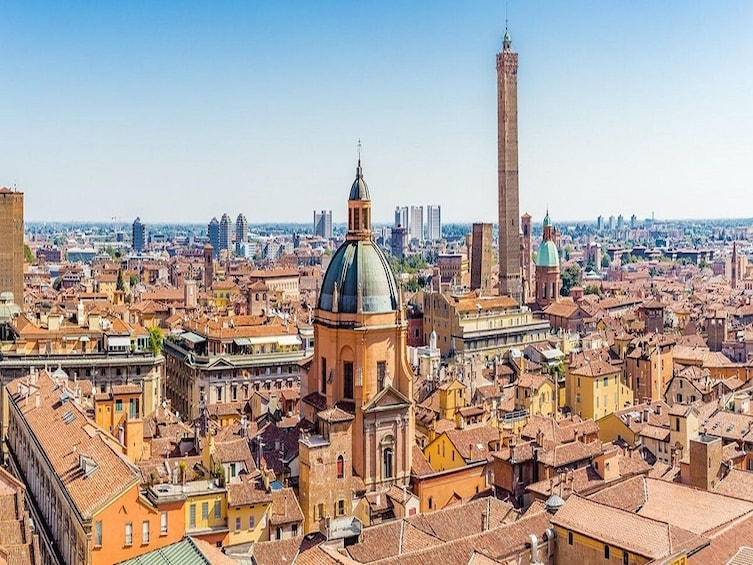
360, 364
87, 492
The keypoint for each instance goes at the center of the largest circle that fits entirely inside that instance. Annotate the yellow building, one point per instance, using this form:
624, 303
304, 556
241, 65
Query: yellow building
206, 511
537, 394
596, 388
453, 449
452, 397
249, 506
587, 532
223, 293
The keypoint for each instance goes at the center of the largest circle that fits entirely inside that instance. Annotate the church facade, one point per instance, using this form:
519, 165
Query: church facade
358, 393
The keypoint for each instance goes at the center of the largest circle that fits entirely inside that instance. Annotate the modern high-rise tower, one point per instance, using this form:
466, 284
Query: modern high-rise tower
12, 243
213, 233
226, 231
416, 227
433, 222
507, 166
138, 235
401, 216
241, 234
323, 224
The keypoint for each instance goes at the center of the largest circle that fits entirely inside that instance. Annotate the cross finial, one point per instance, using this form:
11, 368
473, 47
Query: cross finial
359, 148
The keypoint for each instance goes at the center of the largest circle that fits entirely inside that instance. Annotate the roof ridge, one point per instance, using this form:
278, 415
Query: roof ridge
400, 540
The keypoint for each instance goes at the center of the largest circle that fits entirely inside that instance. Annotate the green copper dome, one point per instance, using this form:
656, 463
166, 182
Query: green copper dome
547, 221
547, 255
356, 264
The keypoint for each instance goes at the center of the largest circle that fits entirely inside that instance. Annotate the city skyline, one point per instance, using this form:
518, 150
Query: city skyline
158, 104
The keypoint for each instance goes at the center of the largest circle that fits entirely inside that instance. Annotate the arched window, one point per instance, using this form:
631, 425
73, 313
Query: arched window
431, 503
340, 467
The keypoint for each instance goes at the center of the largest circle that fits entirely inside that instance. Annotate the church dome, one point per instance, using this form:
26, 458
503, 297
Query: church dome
359, 263
547, 255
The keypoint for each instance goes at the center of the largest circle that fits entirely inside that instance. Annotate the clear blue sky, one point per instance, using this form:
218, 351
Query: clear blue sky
180, 111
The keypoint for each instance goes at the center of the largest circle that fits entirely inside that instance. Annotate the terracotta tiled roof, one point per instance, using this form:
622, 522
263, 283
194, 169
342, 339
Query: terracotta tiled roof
725, 545
472, 444
691, 509
235, 450
643, 536
66, 443
335, 414
419, 465
568, 453
285, 508
248, 491
738, 484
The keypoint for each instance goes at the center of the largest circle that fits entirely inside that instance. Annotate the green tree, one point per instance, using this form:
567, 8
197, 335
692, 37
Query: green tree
155, 340
592, 289
605, 261
571, 276
412, 284
28, 255
119, 285
567, 252
133, 280
57, 283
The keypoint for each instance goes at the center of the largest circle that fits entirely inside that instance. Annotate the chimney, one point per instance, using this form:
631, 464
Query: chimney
534, 549
485, 521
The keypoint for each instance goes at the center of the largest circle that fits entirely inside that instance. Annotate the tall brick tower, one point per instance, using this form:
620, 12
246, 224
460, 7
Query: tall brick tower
507, 162
12, 243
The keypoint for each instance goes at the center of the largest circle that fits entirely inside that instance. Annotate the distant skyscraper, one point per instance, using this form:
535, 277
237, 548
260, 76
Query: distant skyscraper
138, 235
620, 222
401, 216
213, 233
226, 231
416, 227
241, 234
600, 223
481, 258
633, 222
507, 167
611, 223
323, 224
433, 222
12, 243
